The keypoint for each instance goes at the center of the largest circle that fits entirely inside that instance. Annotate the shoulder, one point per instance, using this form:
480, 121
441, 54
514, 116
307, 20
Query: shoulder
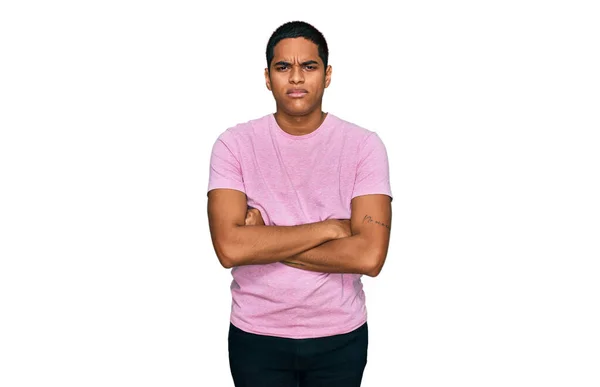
245, 130
353, 131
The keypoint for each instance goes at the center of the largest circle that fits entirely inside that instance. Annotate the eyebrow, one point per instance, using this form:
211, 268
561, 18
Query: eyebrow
308, 62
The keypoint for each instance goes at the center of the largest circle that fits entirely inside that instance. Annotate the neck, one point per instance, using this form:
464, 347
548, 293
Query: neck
300, 125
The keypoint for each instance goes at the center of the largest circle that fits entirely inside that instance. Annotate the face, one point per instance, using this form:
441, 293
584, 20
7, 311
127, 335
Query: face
298, 76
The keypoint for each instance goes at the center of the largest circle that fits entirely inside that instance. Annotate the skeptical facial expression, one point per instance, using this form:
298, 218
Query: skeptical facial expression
297, 76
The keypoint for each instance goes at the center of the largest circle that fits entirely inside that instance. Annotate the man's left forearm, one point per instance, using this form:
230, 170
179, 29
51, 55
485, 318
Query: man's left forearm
346, 255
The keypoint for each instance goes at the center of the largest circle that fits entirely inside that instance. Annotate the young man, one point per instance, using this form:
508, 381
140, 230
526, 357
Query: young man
299, 206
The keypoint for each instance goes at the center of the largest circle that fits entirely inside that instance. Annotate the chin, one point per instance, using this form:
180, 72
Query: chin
298, 110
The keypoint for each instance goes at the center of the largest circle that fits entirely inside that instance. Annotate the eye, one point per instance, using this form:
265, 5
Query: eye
310, 67
281, 67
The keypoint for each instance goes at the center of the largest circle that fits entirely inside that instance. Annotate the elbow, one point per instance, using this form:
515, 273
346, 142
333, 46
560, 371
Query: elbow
226, 255
226, 262
372, 258
228, 247
375, 264
374, 272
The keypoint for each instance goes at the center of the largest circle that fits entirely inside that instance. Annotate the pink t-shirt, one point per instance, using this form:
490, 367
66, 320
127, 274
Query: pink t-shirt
295, 180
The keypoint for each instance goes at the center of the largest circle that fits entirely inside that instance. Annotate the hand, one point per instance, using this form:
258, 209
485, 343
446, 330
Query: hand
340, 227
254, 218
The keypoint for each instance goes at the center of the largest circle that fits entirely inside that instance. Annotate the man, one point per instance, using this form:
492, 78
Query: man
299, 206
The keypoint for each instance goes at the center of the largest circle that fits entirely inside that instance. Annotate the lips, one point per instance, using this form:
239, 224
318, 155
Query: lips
297, 93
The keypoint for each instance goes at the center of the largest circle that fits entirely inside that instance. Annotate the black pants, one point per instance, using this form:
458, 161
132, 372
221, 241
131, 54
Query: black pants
268, 361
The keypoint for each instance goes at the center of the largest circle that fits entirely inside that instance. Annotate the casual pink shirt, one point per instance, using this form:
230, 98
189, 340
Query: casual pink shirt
295, 180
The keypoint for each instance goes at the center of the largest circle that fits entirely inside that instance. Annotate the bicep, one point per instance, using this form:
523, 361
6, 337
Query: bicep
371, 218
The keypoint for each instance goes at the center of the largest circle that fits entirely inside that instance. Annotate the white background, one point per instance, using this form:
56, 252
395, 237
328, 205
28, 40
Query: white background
490, 114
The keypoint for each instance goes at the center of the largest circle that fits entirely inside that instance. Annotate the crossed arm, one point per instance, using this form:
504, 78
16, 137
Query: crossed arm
359, 245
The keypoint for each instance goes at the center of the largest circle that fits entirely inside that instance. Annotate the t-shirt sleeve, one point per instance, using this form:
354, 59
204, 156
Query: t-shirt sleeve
373, 172
225, 168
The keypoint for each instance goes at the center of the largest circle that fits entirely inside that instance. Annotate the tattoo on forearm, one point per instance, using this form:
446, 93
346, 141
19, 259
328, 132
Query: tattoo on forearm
367, 219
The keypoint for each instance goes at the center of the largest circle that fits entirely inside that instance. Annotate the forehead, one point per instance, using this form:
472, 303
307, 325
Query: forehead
296, 48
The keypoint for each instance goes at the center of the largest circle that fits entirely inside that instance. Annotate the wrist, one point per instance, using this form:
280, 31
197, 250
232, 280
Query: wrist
330, 231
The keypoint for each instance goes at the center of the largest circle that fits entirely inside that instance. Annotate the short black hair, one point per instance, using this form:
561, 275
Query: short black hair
297, 29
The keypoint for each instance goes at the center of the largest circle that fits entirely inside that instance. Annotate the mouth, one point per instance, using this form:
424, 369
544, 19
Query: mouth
297, 93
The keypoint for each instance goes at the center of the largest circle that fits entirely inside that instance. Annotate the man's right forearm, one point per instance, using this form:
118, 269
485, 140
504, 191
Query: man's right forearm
248, 245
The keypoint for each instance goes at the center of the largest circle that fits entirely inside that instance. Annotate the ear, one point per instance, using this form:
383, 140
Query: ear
328, 76
267, 79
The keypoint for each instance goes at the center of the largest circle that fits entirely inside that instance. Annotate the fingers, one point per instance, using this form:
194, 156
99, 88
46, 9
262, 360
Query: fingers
250, 218
253, 217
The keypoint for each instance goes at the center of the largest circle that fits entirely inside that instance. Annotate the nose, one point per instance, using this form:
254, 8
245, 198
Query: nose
296, 75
